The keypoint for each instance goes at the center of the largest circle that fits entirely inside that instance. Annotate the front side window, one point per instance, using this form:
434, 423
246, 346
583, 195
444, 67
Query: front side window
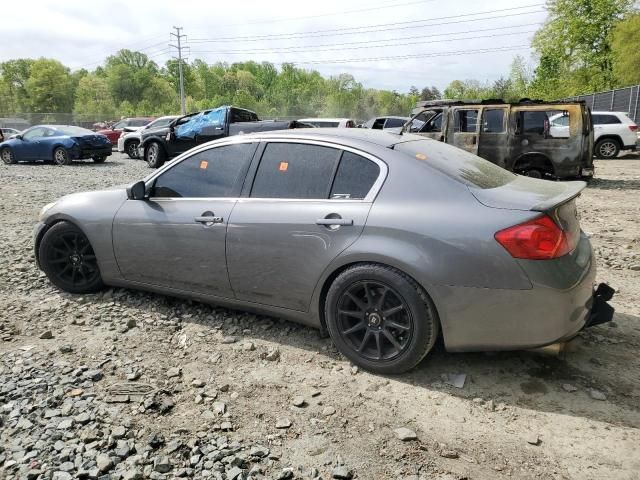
493, 120
295, 170
214, 173
34, 133
354, 178
394, 122
139, 122
466, 121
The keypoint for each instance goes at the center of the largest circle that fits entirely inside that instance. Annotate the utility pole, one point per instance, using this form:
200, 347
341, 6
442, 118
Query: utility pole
179, 38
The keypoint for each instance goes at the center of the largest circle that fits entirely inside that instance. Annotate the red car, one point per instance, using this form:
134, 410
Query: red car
116, 130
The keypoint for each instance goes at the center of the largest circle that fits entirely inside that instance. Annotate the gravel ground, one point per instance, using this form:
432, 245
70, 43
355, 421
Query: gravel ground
128, 385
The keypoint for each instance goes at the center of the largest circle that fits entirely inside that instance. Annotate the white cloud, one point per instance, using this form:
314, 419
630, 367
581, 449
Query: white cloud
81, 34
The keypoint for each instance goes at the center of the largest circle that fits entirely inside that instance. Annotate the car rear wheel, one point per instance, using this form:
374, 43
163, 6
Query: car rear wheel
61, 156
380, 319
68, 259
155, 155
607, 148
132, 149
99, 158
7, 156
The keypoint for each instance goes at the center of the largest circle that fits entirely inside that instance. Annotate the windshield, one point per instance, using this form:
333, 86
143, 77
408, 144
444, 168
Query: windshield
161, 122
462, 166
74, 131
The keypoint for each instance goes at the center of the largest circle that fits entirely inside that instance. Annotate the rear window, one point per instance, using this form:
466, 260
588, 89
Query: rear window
599, 119
325, 124
462, 166
74, 131
394, 122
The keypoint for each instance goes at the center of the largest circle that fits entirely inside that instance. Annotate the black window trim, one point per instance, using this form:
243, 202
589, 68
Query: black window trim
151, 179
369, 198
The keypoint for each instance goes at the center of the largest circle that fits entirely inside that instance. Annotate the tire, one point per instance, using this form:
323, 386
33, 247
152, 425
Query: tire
99, 158
380, 319
68, 259
607, 148
7, 156
155, 155
132, 149
533, 173
61, 156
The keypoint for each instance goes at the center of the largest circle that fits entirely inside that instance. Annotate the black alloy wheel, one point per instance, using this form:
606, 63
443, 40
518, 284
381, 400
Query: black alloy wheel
375, 320
380, 318
68, 259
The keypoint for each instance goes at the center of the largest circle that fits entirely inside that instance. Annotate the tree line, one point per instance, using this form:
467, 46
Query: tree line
584, 46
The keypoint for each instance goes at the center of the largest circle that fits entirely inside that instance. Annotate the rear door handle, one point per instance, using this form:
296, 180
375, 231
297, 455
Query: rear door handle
208, 219
334, 221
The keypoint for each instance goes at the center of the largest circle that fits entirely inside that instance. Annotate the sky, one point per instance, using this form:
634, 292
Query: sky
390, 44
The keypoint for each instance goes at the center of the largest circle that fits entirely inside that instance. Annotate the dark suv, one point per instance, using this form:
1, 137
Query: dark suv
515, 136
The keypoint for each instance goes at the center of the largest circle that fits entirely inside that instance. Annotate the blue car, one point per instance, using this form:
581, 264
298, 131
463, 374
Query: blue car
58, 143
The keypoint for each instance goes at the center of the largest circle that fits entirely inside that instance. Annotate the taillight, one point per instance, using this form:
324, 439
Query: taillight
633, 127
537, 239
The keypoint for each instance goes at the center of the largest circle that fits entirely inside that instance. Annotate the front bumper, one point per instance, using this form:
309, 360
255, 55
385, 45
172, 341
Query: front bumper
121, 144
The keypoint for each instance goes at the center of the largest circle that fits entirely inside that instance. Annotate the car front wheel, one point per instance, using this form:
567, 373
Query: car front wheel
7, 156
61, 156
607, 148
380, 318
132, 149
154, 155
68, 259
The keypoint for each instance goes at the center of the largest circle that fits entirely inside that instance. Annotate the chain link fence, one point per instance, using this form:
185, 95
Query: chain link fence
618, 100
20, 121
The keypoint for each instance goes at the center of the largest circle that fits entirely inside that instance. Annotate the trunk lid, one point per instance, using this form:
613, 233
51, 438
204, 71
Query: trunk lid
528, 194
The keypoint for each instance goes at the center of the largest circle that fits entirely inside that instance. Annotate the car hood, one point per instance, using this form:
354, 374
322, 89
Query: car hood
97, 206
155, 132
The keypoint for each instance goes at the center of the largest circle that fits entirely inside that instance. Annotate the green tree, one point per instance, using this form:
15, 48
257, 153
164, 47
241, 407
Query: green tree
93, 97
625, 46
430, 93
574, 46
13, 80
49, 87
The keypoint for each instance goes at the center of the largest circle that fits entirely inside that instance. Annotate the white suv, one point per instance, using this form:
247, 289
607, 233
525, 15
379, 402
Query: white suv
612, 132
128, 142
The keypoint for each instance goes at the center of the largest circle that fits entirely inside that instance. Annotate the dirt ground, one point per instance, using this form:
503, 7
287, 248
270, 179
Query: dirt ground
519, 415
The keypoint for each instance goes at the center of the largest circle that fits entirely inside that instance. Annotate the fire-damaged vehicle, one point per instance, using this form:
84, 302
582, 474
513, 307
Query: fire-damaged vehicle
157, 145
516, 136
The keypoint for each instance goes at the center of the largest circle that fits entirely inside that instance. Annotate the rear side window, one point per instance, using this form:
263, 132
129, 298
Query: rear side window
217, 172
599, 119
462, 166
493, 120
295, 170
466, 121
355, 177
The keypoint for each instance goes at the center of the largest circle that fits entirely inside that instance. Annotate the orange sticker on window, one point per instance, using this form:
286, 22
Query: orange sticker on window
284, 166
421, 156
204, 164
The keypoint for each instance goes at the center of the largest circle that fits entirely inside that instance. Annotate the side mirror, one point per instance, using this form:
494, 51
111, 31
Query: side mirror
136, 191
18, 136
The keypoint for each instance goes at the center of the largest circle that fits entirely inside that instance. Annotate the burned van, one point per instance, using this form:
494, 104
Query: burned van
516, 136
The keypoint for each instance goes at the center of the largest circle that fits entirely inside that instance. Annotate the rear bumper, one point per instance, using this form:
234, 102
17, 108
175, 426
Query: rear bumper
560, 304
88, 152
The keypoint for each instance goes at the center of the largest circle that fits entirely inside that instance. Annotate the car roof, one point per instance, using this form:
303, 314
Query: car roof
339, 135
607, 113
317, 119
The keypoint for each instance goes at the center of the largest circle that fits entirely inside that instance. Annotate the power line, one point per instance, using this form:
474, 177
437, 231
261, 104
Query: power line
179, 47
344, 12
373, 28
366, 42
312, 49
129, 46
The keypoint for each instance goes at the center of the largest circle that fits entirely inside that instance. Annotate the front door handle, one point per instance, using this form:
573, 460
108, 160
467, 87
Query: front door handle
208, 218
334, 221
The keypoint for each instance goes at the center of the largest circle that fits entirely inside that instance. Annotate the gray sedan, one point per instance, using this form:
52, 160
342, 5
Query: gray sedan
385, 241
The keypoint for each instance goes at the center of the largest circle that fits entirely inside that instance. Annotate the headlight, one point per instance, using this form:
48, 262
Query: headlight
44, 210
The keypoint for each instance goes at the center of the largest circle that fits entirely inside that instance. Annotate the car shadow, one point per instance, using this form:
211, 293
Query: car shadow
605, 359
614, 184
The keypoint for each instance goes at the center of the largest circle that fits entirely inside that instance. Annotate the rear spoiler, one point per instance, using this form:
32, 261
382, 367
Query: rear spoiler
570, 191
